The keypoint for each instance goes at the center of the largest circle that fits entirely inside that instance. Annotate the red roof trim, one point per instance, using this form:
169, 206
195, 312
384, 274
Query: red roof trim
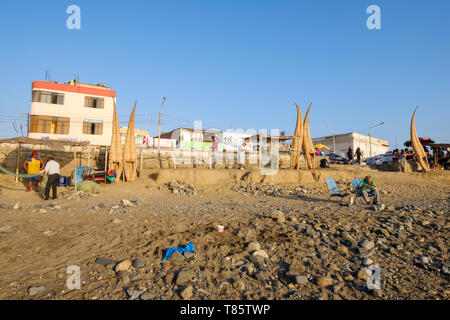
74, 89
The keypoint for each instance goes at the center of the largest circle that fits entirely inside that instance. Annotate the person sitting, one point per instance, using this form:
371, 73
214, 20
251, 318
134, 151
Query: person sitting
369, 188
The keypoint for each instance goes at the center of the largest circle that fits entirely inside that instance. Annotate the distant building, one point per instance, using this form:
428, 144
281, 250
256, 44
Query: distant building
190, 139
355, 140
75, 111
141, 137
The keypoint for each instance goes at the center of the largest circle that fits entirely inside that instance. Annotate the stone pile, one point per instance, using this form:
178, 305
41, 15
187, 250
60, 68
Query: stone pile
178, 187
268, 189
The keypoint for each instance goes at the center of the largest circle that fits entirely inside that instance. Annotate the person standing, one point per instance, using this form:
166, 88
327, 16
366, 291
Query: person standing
241, 156
33, 165
358, 155
52, 170
214, 147
350, 154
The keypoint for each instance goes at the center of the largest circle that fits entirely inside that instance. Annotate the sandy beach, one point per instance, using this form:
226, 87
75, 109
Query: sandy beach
283, 237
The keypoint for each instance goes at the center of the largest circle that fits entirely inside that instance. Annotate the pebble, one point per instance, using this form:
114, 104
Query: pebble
184, 276
261, 253
146, 296
32, 291
367, 245
279, 216
424, 260
124, 265
367, 261
239, 285
301, 280
138, 263
186, 293
116, 221
253, 246
16, 206
324, 282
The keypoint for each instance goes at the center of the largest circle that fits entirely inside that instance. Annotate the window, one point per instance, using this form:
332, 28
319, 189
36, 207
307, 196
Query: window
93, 127
49, 124
48, 97
91, 102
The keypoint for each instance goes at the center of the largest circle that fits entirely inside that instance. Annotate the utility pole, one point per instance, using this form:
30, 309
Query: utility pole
334, 140
370, 137
28, 122
159, 123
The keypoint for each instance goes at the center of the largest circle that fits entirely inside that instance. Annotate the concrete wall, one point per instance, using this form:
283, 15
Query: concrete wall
150, 158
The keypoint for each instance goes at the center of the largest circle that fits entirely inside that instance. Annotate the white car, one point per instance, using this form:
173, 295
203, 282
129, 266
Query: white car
379, 159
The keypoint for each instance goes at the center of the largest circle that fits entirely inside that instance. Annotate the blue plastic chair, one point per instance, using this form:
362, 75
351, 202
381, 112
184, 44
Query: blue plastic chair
334, 189
62, 182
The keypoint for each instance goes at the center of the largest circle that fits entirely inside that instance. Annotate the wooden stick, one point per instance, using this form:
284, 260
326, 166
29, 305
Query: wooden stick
17, 164
140, 164
75, 167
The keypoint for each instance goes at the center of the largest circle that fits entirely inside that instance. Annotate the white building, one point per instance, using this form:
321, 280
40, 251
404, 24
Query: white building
78, 112
369, 146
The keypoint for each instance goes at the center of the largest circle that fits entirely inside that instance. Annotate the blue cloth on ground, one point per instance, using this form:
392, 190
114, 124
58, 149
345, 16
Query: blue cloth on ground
170, 251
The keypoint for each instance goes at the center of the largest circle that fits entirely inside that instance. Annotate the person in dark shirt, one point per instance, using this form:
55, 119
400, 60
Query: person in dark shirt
350, 154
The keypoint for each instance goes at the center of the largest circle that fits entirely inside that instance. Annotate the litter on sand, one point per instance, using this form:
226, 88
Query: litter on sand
170, 251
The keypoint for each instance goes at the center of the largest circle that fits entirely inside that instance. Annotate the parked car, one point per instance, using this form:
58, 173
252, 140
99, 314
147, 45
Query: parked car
379, 159
335, 158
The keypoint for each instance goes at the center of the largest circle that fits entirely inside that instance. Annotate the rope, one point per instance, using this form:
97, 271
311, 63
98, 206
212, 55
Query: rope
19, 175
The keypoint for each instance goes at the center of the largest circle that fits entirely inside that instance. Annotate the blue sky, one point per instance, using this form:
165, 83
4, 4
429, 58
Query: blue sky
241, 64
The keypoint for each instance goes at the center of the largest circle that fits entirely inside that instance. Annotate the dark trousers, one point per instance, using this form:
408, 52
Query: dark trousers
52, 182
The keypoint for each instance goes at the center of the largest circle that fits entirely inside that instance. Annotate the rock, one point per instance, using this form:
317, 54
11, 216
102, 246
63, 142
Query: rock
424, 260
253, 246
32, 291
324, 282
390, 208
101, 205
126, 203
116, 221
16, 206
343, 250
138, 263
261, 253
124, 265
133, 294
184, 277
301, 280
124, 278
146, 296
277, 285
367, 245
376, 293
6, 229
104, 261
367, 261
186, 293
363, 274
263, 276
176, 256
42, 211
239, 285
445, 269
279, 216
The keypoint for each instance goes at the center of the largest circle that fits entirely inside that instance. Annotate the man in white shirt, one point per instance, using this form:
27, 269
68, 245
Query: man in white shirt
52, 170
